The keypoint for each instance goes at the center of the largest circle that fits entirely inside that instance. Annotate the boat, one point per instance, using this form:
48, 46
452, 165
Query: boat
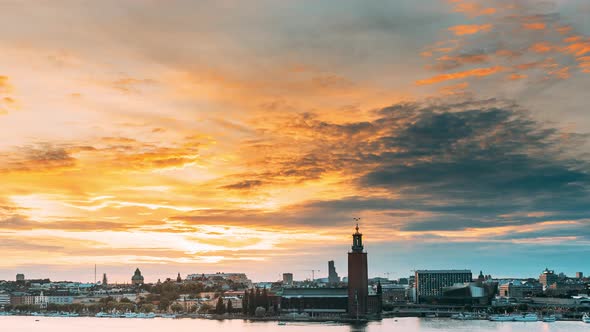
103, 315
529, 317
586, 318
130, 315
144, 315
431, 315
549, 319
282, 323
168, 316
501, 318
463, 316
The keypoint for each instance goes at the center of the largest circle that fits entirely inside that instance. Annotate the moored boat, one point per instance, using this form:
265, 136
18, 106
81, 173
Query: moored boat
549, 319
529, 317
586, 318
501, 318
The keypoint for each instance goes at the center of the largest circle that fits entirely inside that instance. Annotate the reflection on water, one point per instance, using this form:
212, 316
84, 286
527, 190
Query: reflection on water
50, 324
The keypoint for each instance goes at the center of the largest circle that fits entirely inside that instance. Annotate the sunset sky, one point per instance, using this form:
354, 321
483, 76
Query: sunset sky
244, 136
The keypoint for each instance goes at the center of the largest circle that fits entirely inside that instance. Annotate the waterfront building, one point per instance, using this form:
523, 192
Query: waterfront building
4, 299
395, 293
315, 301
430, 283
333, 277
519, 289
548, 278
60, 299
17, 298
137, 278
288, 279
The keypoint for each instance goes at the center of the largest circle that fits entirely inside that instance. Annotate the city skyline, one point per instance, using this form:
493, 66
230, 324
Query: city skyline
224, 136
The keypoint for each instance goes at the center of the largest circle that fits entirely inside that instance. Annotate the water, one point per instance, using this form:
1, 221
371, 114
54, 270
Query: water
84, 324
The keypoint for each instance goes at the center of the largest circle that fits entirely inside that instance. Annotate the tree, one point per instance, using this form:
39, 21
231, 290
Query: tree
245, 307
176, 307
260, 312
220, 307
205, 308
264, 299
230, 307
252, 303
258, 298
148, 307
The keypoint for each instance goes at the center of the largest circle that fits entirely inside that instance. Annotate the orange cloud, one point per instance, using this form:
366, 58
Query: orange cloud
461, 30
564, 30
573, 39
516, 77
5, 86
534, 26
579, 48
542, 47
453, 90
478, 72
584, 64
472, 9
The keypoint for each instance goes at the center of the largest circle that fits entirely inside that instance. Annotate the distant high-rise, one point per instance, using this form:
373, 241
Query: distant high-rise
288, 279
579, 275
333, 277
358, 278
105, 281
20, 277
178, 278
137, 278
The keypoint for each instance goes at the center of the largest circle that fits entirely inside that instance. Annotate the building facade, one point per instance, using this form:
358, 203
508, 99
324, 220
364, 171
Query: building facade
430, 283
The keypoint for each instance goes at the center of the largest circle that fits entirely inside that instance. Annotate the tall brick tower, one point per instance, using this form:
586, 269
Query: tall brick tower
358, 277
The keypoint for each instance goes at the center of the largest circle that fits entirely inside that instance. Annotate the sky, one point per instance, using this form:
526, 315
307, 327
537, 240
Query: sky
245, 136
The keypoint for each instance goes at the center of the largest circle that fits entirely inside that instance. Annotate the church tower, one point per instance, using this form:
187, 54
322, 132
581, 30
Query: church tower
358, 278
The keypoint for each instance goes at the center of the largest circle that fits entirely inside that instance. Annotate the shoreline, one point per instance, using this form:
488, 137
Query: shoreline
341, 320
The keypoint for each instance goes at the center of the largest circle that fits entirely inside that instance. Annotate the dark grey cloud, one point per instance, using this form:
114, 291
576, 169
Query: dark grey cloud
471, 164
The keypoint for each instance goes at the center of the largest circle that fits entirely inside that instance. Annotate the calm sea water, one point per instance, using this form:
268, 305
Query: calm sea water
82, 324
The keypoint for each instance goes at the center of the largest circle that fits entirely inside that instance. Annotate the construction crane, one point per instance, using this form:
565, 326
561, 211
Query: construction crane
312, 273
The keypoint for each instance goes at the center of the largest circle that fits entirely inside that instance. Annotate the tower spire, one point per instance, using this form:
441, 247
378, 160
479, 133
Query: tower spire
357, 238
